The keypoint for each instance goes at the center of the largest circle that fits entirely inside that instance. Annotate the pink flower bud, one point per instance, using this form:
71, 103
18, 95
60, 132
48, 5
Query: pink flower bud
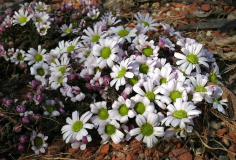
17, 128
20, 109
21, 148
23, 138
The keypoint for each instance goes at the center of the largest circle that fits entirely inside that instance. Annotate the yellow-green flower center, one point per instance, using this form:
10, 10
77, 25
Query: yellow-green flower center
150, 96
147, 129
43, 30
148, 51
38, 57
62, 70
123, 110
139, 108
133, 81
67, 31
40, 71
60, 80
114, 13
190, 97
20, 57
38, 141
110, 129
103, 114
180, 114
106, 52
162, 81
122, 73
22, 19
96, 69
50, 109
123, 33
215, 100
77, 126
143, 68
95, 38
145, 23
39, 20
174, 95
200, 89
213, 77
88, 54
70, 48
192, 58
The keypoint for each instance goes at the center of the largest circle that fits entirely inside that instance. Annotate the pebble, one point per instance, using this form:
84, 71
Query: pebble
215, 125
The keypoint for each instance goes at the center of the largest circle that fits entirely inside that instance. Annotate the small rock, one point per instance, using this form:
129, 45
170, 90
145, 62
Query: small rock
223, 158
226, 141
167, 5
105, 149
214, 124
205, 7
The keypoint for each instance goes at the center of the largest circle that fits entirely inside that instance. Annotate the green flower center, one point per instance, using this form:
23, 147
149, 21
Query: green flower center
123, 33
103, 114
213, 77
106, 52
39, 20
180, 114
174, 95
96, 69
77, 126
38, 141
70, 48
62, 70
147, 129
38, 57
87, 54
41, 8
200, 89
122, 73
50, 109
42, 30
148, 51
110, 129
20, 57
139, 108
192, 58
95, 38
133, 81
190, 97
143, 68
54, 59
145, 23
40, 71
114, 13
60, 80
67, 31
123, 110
215, 100
162, 81
22, 19
150, 96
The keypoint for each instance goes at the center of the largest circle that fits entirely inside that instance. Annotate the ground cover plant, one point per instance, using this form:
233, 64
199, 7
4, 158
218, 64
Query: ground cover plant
90, 79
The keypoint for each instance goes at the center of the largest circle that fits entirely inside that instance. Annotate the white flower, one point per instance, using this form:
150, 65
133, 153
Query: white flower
123, 33
42, 28
94, 35
105, 51
21, 17
40, 6
103, 115
120, 73
38, 142
76, 127
122, 110
178, 132
18, 57
49, 108
163, 75
71, 46
93, 14
75, 94
59, 49
57, 80
82, 143
180, 114
194, 56
60, 66
110, 130
40, 70
214, 74
146, 20
167, 29
40, 17
148, 49
34, 56
65, 30
148, 129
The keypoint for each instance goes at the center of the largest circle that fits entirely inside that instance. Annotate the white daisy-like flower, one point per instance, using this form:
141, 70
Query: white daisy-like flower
110, 130
60, 66
180, 114
65, 30
163, 75
146, 20
50, 108
40, 17
103, 115
21, 17
217, 103
40, 70
8, 21
178, 132
120, 73
148, 49
71, 46
148, 129
18, 57
34, 56
141, 28
42, 28
76, 127
57, 80
122, 110
141, 105
82, 143
94, 35
165, 43
194, 56
40, 6
59, 49
123, 33
38, 142
84, 51
214, 74
110, 20
167, 29
94, 13
106, 52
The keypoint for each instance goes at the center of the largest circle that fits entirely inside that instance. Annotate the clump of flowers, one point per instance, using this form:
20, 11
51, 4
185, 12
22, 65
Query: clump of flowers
105, 75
